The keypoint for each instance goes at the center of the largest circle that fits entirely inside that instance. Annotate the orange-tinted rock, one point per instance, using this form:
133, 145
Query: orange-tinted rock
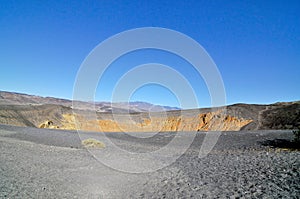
212, 121
48, 124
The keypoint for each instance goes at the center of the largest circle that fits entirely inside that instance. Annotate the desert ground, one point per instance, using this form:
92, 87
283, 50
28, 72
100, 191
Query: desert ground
48, 163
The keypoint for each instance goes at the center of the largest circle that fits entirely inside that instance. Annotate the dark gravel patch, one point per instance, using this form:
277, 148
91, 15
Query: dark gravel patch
228, 174
282, 143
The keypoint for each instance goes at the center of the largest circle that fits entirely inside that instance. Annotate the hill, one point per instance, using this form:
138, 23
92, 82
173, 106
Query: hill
34, 111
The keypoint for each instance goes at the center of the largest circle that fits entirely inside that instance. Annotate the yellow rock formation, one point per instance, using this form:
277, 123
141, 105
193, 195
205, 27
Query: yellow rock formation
211, 121
48, 124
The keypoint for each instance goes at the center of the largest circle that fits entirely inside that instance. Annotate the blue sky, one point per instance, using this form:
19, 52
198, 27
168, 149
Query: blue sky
255, 44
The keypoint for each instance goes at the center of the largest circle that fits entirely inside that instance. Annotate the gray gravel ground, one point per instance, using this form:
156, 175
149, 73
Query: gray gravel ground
41, 163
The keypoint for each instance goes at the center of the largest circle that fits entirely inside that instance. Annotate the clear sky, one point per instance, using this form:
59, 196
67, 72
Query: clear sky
255, 44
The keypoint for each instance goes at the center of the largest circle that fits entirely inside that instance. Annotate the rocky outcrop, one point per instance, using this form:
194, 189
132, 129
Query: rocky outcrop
212, 121
48, 124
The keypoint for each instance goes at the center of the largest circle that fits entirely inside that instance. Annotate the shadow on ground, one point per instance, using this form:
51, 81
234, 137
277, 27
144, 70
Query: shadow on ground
282, 143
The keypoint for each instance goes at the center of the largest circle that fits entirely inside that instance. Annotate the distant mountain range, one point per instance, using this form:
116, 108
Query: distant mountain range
12, 98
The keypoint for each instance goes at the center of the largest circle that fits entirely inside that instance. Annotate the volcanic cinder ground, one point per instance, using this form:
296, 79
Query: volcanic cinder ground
44, 163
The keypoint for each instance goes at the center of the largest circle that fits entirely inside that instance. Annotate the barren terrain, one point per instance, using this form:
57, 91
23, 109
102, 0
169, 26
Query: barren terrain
44, 156
33, 111
42, 163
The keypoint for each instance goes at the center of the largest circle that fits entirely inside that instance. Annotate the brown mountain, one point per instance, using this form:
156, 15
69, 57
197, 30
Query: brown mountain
34, 111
